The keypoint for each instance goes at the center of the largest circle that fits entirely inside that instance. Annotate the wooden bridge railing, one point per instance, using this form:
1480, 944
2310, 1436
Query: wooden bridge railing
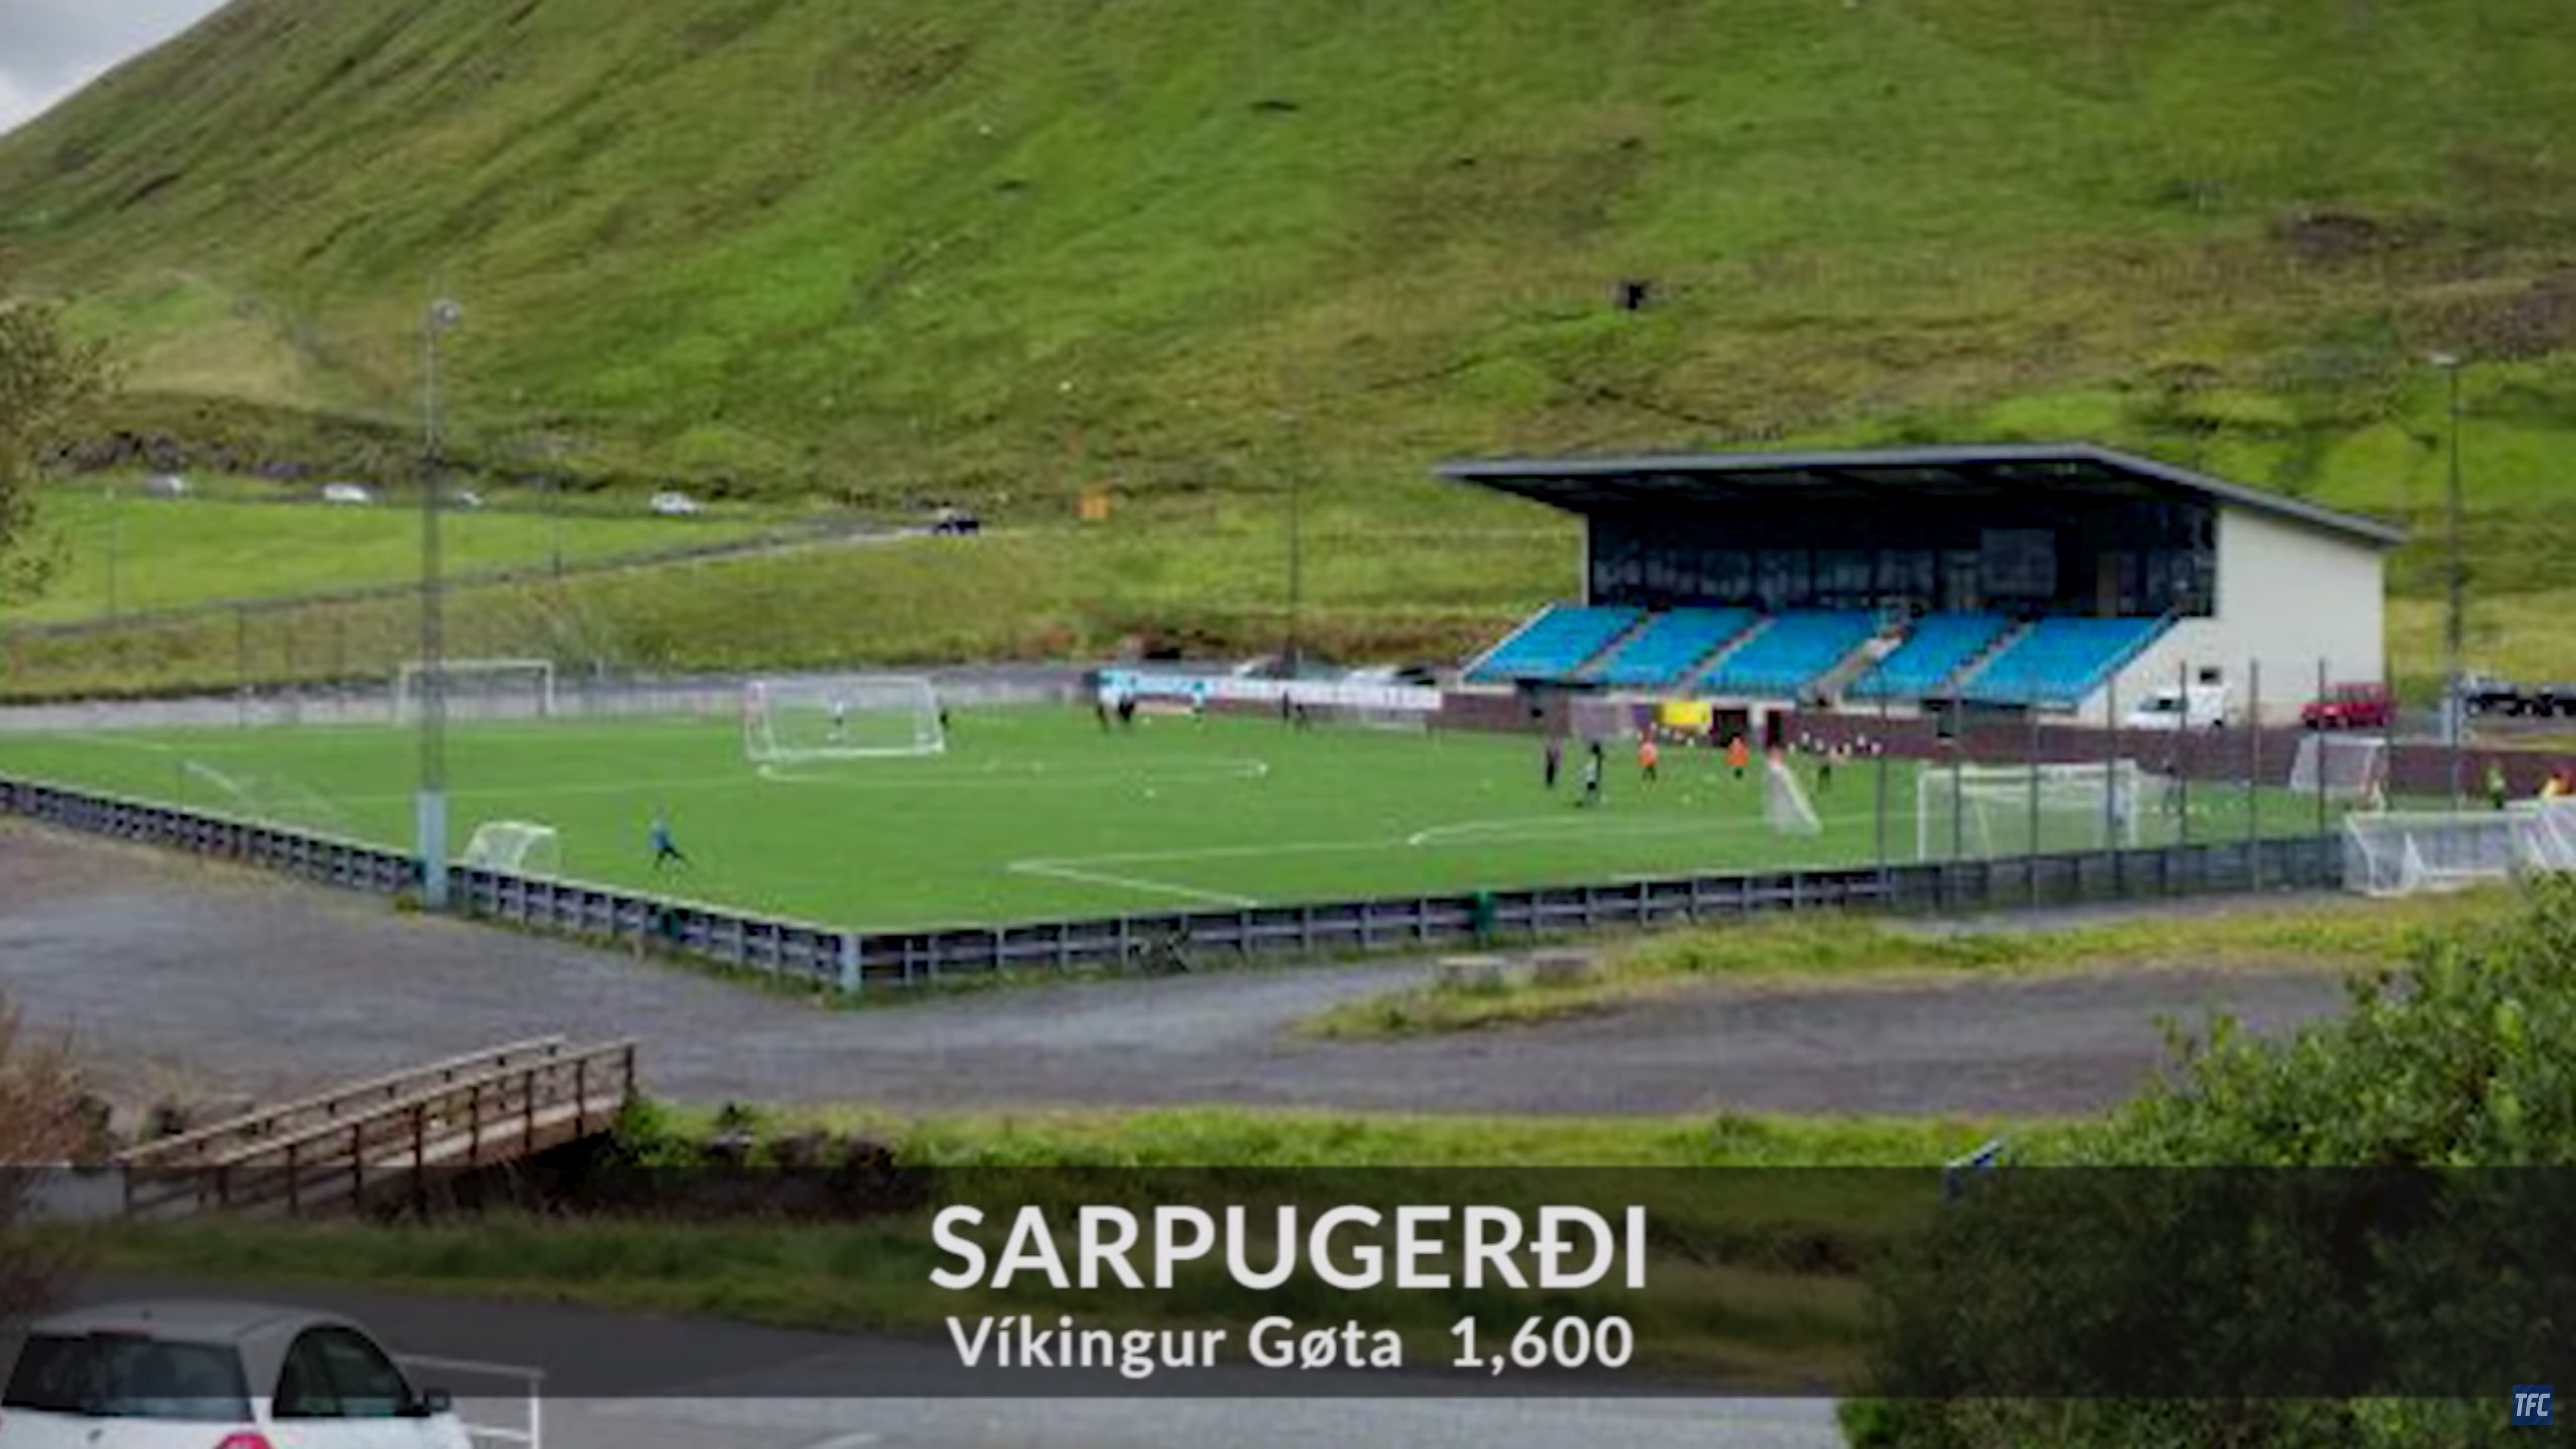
330, 1152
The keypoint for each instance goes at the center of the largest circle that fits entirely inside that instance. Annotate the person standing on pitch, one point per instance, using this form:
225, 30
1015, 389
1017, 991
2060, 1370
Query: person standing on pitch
666, 851
1591, 777
1649, 755
1552, 760
1739, 754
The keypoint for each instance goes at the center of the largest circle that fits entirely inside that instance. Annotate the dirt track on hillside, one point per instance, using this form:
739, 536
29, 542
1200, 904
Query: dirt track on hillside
172, 975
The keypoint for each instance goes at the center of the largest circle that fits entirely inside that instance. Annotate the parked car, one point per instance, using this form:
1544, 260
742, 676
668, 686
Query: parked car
956, 521
347, 493
2196, 707
210, 1375
2355, 706
165, 485
674, 504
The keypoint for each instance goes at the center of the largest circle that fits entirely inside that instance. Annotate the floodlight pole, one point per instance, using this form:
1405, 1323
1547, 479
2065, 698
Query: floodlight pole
2454, 683
431, 804
1296, 538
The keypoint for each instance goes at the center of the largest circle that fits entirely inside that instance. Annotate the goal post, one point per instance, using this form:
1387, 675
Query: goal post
848, 717
2390, 853
515, 847
1969, 812
2341, 767
479, 688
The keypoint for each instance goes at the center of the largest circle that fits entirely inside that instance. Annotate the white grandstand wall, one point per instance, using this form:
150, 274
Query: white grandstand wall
2289, 594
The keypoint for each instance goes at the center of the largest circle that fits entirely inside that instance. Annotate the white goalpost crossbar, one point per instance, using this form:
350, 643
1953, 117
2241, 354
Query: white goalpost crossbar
851, 717
1975, 811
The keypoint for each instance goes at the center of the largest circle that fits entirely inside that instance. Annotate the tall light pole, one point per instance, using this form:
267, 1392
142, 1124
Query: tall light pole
1296, 539
2454, 683
431, 804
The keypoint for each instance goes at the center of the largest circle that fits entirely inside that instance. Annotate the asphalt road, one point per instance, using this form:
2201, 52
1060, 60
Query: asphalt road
175, 975
647, 1382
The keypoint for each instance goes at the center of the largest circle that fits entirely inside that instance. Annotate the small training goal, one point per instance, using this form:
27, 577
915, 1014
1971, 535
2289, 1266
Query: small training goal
478, 689
1971, 812
851, 717
2424, 852
2341, 767
515, 847
1785, 806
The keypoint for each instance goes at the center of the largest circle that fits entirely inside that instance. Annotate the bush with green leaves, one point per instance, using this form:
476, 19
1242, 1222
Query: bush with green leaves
2388, 1248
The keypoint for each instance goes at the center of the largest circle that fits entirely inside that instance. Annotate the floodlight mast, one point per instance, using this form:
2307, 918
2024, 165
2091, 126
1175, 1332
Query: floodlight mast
430, 812
2455, 685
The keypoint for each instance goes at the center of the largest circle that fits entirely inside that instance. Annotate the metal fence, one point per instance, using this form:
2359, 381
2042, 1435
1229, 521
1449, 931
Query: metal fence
852, 961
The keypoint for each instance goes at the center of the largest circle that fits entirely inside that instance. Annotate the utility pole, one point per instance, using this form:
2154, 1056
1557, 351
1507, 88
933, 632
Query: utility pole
431, 803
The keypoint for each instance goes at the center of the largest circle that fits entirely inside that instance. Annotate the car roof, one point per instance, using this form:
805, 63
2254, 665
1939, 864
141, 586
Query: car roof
204, 1320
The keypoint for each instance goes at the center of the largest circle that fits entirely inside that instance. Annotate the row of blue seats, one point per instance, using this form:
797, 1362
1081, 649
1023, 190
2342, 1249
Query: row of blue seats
2061, 661
2055, 661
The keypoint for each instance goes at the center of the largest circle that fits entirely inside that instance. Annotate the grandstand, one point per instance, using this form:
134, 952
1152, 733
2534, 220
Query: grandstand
2057, 578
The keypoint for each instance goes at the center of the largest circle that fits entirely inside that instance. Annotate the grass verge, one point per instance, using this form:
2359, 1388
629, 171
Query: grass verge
1853, 951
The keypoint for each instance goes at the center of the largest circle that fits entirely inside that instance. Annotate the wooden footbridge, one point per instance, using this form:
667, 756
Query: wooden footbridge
387, 1137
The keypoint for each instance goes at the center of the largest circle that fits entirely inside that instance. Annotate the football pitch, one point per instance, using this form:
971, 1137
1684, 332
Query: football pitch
1035, 813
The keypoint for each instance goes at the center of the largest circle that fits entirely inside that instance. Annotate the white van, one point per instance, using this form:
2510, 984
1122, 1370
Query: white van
2175, 707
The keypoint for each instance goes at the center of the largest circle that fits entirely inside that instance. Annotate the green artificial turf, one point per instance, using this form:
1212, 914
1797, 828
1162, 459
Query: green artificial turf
1036, 813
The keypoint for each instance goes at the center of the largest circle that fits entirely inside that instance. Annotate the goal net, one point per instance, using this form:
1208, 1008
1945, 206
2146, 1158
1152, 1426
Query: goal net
516, 847
849, 718
479, 689
1980, 811
2342, 767
1785, 804
2423, 852
1601, 719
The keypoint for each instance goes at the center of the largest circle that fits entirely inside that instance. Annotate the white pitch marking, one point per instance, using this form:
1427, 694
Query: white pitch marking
847, 1441
1128, 882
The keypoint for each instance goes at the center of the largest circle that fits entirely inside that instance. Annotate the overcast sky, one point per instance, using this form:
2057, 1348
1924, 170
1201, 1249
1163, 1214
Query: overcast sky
51, 48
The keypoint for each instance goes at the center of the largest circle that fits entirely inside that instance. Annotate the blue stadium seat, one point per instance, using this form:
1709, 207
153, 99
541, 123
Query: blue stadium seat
1786, 658
1664, 651
1555, 644
2061, 661
1920, 668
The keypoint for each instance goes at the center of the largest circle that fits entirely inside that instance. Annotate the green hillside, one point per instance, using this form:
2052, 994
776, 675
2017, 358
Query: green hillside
869, 248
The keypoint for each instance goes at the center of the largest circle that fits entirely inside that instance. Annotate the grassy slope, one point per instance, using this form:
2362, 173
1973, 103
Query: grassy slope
858, 246
243, 545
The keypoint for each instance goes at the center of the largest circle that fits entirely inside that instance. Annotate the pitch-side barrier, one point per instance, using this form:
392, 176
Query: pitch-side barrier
857, 960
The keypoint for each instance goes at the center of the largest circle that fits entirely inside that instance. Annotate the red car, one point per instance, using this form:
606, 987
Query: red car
2351, 707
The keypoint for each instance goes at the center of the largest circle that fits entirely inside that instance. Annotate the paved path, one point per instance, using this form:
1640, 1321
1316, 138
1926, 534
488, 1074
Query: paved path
177, 975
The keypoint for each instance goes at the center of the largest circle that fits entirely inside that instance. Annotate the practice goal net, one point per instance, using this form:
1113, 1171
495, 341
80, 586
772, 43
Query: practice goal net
849, 718
1785, 805
1601, 719
2422, 852
515, 847
1970, 812
479, 689
2341, 767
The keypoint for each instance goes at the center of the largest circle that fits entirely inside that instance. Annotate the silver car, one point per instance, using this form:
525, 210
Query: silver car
202, 1375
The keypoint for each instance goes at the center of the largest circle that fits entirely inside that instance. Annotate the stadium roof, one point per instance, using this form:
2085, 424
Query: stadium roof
1871, 477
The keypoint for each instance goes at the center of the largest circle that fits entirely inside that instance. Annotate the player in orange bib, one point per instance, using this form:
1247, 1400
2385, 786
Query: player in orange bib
1648, 754
1738, 755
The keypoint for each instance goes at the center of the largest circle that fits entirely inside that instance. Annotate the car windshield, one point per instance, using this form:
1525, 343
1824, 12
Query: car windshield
117, 1376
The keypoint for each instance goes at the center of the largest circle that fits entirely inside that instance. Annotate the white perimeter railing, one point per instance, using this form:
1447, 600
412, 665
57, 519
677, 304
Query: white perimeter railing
532, 1380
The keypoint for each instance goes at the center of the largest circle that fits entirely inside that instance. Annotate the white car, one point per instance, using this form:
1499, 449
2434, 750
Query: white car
676, 505
347, 493
203, 1375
